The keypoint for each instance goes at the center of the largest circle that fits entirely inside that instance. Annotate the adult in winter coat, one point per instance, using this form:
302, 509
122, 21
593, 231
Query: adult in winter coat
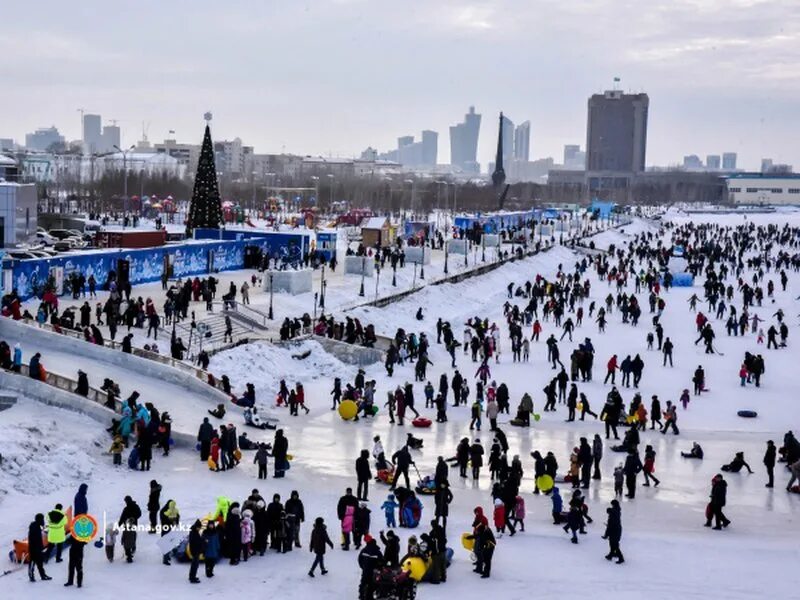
204, 436
36, 549
317, 545
613, 532
484, 550
363, 474
736, 464
294, 508
195, 549
585, 462
719, 497
442, 499
233, 535
769, 463
476, 458
369, 559
649, 466
170, 519
348, 501
75, 565
597, 455
402, 461
211, 545
633, 465
280, 449
56, 530
80, 506
154, 504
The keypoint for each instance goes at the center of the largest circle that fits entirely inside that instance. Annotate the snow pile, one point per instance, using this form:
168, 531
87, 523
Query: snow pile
39, 455
264, 364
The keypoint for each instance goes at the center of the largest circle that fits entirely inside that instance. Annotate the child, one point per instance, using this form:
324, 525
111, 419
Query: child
743, 375
650, 339
116, 449
760, 339
319, 539
519, 513
619, 476
248, 533
389, 507
685, 399
558, 505
110, 540
499, 516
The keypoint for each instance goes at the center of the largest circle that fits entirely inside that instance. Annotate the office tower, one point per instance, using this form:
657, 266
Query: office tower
692, 161
508, 140
43, 138
713, 162
464, 142
616, 132
92, 134
766, 165
729, 161
570, 150
430, 147
522, 142
111, 138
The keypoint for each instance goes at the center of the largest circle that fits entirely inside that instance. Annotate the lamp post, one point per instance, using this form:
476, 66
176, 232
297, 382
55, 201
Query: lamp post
445, 257
422, 265
377, 278
270, 315
363, 269
316, 188
483, 247
125, 170
331, 178
322, 291
394, 274
316, 295
414, 281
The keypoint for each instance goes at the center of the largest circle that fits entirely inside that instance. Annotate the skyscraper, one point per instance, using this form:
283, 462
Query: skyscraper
616, 132
43, 138
713, 162
111, 138
92, 134
430, 147
729, 161
508, 140
464, 142
522, 142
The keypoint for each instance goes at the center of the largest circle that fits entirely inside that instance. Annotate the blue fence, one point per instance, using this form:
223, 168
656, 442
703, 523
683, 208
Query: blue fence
29, 277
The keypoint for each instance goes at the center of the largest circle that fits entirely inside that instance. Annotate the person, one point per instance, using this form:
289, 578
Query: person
317, 545
56, 530
195, 550
597, 455
153, 504
476, 458
211, 547
633, 465
391, 553
769, 463
389, 506
402, 460
296, 512
719, 490
204, 436
484, 550
369, 559
736, 464
695, 452
650, 466
36, 549
80, 505
442, 499
558, 506
613, 532
363, 474
345, 509
280, 449
170, 520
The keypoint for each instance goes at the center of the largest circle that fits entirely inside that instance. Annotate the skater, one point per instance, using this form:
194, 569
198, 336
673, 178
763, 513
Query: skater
650, 466
769, 463
613, 532
719, 489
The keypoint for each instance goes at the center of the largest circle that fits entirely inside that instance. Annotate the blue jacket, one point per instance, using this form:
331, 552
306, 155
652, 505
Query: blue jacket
212, 546
17, 356
558, 504
389, 505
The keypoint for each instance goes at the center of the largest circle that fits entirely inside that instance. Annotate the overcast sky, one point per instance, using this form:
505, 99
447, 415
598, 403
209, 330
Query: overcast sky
337, 76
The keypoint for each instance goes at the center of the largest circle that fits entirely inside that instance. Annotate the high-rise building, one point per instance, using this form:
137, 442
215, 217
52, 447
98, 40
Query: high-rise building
430, 147
692, 162
508, 140
616, 132
766, 165
570, 150
6, 144
43, 138
111, 138
729, 161
522, 142
92, 134
713, 162
464, 142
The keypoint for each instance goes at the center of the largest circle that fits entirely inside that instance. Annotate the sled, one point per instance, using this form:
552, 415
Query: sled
211, 464
517, 423
421, 422
416, 567
386, 476
133, 459
468, 541
237, 454
20, 552
169, 542
426, 486
747, 414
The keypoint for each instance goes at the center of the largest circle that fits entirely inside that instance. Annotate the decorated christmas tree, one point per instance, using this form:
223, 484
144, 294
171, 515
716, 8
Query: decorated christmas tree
205, 209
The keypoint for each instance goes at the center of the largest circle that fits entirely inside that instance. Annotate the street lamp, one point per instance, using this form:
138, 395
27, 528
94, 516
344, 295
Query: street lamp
363, 269
315, 306
445, 257
322, 291
377, 278
125, 169
483, 247
394, 274
269, 315
414, 282
422, 265
316, 188
331, 177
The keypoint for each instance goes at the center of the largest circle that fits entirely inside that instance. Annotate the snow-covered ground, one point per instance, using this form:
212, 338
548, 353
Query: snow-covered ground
668, 552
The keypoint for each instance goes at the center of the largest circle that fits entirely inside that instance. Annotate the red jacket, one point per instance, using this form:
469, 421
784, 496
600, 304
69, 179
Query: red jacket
612, 364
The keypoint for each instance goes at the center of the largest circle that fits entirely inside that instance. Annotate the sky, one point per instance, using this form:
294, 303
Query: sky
333, 77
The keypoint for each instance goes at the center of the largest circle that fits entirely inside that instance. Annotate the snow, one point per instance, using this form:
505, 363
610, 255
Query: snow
668, 552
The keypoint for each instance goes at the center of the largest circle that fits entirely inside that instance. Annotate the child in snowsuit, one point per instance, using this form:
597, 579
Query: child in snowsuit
685, 398
499, 516
389, 506
518, 515
558, 506
619, 478
116, 449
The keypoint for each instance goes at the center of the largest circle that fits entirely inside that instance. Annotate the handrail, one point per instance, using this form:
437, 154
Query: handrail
65, 383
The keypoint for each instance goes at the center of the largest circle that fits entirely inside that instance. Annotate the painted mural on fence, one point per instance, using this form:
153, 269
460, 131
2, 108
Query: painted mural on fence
29, 277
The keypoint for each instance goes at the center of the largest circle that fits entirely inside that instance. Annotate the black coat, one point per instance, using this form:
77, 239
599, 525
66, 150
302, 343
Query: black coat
319, 539
344, 502
35, 545
633, 465
402, 458
196, 544
614, 524
719, 493
363, 472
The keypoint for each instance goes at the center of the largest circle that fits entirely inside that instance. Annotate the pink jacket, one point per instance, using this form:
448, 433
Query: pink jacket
519, 508
248, 531
347, 522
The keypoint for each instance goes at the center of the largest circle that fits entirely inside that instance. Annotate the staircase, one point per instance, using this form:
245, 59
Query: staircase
214, 322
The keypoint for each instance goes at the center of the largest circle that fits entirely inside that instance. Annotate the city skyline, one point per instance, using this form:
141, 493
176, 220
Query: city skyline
709, 92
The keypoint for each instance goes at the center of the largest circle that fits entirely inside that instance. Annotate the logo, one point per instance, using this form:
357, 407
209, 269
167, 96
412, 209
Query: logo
84, 528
